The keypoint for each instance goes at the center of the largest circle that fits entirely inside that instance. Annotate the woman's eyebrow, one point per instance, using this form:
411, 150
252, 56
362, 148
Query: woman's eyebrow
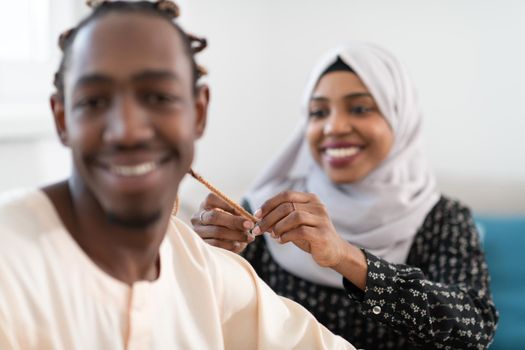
345, 97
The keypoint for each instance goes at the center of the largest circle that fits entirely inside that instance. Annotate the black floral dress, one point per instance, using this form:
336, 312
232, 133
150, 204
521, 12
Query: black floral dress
439, 300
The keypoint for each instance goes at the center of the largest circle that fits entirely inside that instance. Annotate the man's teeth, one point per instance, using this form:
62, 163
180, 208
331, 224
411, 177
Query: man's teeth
341, 152
133, 170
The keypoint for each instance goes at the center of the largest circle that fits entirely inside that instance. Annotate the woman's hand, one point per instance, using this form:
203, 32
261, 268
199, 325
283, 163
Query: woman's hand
302, 219
219, 225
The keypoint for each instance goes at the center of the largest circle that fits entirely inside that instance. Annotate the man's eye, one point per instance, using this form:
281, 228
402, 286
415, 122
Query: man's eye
317, 114
93, 103
159, 99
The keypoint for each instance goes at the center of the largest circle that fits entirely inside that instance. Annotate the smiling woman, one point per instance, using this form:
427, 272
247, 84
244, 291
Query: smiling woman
354, 226
341, 106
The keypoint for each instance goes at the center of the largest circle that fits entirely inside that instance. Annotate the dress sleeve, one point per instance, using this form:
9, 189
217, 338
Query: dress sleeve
447, 306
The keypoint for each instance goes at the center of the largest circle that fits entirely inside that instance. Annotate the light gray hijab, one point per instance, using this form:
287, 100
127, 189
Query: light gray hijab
382, 212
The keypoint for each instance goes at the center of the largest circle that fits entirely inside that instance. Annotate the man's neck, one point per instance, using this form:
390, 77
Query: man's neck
128, 255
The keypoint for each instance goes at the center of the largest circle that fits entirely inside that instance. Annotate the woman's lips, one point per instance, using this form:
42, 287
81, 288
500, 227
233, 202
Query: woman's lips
339, 157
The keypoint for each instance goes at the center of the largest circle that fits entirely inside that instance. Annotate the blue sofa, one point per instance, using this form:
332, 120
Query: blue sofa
504, 245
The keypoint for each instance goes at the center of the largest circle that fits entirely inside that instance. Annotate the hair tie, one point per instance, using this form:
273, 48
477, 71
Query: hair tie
197, 44
168, 7
95, 3
62, 39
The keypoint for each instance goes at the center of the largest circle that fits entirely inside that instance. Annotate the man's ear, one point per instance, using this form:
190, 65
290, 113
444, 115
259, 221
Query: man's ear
202, 99
57, 107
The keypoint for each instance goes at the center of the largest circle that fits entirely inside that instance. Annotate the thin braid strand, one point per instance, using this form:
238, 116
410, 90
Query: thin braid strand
225, 198
176, 207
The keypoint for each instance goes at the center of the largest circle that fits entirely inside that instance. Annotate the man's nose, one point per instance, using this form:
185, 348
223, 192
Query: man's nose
128, 123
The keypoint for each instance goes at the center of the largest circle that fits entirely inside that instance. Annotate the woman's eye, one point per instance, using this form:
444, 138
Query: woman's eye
318, 113
359, 110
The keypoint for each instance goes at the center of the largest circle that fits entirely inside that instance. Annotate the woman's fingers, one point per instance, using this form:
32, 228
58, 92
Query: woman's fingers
283, 205
213, 201
300, 236
219, 217
294, 220
301, 218
218, 224
222, 233
273, 217
279, 199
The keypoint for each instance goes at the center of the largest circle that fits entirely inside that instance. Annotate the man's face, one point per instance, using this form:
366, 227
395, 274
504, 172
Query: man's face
130, 115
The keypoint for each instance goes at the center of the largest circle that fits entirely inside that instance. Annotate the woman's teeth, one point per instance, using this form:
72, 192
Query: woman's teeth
341, 152
133, 170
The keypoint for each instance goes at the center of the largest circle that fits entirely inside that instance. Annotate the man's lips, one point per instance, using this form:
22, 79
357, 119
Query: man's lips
133, 170
132, 165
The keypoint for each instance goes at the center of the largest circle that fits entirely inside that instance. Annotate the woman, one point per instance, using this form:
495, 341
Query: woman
357, 230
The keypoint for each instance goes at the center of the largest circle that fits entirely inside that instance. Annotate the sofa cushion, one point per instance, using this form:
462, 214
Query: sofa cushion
504, 245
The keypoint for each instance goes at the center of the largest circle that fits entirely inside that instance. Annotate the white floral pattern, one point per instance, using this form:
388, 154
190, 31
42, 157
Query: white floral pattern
439, 300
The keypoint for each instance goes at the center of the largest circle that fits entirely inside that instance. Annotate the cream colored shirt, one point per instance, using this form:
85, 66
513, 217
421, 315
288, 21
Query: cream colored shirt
52, 296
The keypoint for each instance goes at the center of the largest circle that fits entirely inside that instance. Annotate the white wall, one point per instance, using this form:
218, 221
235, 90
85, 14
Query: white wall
466, 57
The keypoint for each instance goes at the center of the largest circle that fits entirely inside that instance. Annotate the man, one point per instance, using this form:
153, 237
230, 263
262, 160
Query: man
97, 261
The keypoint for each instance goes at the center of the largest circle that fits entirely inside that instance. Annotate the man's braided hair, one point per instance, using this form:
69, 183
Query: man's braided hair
165, 9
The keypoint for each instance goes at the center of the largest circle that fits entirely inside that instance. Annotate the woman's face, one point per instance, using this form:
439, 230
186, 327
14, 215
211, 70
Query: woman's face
347, 134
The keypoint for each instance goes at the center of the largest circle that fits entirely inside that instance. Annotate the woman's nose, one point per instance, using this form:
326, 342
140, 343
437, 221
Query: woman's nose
337, 124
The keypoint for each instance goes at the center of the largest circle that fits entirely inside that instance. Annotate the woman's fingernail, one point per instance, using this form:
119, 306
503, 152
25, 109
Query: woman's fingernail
258, 213
247, 225
256, 230
236, 245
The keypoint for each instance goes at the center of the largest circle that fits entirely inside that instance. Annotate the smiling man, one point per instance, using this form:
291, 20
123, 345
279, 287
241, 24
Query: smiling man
97, 261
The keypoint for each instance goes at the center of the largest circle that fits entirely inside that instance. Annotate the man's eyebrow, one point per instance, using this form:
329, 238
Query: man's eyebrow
99, 78
155, 75
95, 78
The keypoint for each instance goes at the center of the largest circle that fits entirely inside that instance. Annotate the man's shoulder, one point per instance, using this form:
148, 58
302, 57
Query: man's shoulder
17, 207
184, 237
21, 214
